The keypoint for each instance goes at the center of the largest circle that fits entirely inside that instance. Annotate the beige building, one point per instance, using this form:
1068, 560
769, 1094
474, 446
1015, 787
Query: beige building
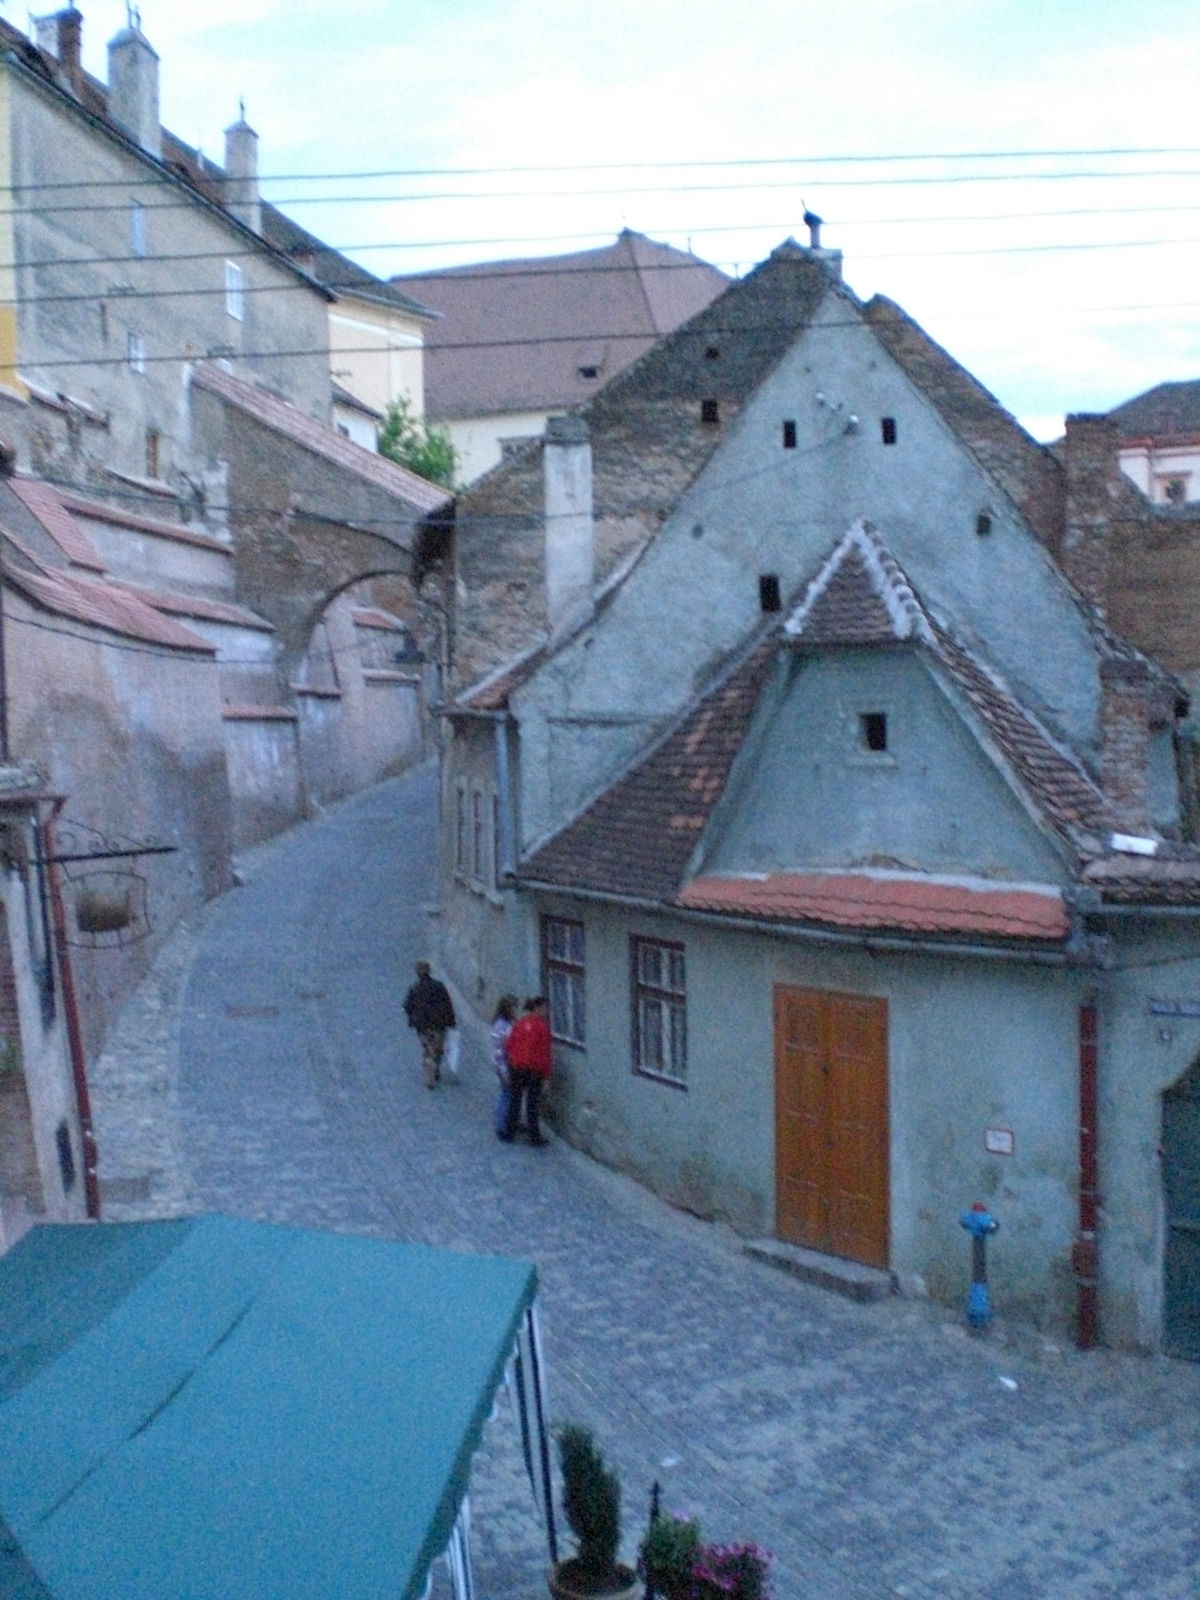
1160, 442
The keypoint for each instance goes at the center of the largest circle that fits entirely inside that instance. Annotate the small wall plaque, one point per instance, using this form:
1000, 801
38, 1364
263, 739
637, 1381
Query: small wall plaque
999, 1141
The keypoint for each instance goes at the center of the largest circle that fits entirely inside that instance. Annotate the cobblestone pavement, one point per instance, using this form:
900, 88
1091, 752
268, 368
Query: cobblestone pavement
265, 1071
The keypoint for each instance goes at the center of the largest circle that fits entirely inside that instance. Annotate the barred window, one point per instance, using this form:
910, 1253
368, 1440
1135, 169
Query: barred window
659, 1009
563, 951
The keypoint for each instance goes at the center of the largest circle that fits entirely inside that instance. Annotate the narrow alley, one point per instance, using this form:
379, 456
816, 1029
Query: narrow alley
264, 1070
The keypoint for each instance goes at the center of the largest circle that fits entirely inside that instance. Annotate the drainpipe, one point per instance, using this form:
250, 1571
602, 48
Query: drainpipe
83, 1101
504, 800
1084, 1256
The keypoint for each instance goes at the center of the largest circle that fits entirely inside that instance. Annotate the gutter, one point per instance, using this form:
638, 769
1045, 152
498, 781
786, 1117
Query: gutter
873, 944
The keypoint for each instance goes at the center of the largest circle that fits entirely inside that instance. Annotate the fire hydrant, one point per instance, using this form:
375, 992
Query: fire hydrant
979, 1222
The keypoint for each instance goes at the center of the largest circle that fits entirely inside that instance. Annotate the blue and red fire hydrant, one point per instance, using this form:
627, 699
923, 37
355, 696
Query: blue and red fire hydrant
979, 1223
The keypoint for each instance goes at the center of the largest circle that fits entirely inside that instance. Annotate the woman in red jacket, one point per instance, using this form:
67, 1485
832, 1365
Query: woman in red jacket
528, 1051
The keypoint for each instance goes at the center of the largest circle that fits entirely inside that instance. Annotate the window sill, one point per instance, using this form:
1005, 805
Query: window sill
658, 1077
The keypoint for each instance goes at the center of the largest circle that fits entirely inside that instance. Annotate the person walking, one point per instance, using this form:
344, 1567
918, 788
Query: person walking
529, 1064
502, 1026
429, 1010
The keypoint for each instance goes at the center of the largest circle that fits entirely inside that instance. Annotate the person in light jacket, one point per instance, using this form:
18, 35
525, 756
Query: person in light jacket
528, 1051
430, 1011
502, 1026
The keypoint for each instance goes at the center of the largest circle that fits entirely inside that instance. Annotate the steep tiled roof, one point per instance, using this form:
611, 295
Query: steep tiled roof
884, 900
1026, 470
101, 605
1168, 411
637, 838
518, 335
332, 268
191, 605
118, 517
50, 509
321, 439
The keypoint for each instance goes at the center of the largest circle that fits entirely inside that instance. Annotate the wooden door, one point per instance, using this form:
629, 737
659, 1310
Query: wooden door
1181, 1193
831, 1123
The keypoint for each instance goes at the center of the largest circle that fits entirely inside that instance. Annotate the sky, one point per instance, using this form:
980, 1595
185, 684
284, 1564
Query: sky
1024, 179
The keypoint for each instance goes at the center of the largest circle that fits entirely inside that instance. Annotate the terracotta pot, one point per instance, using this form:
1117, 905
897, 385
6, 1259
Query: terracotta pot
567, 1583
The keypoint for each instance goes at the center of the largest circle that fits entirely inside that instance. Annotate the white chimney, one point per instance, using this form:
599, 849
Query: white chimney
567, 480
133, 89
242, 196
61, 35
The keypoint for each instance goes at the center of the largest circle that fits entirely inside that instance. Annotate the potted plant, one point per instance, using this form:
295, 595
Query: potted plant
678, 1565
592, 1505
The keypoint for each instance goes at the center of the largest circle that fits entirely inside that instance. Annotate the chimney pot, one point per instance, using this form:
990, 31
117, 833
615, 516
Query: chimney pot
570, 536
61, 35
133, 89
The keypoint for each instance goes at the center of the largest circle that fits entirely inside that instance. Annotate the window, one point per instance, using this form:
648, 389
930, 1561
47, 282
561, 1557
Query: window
153, 452
478, 838
659, 1010
873, 730
768, 591
589, 371
135, 352
887, 430
234, 291
789, 434
563, 959
497, 844
983, 524
710, 411
137, 228
460, 829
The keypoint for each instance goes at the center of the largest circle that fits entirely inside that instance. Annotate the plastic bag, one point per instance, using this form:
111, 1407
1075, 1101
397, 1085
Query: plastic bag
451, 1053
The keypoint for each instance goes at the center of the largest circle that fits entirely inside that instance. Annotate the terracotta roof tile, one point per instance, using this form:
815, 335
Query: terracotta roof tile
907, 904
198, 606
118, 517
322, 440
53, 512
101, 605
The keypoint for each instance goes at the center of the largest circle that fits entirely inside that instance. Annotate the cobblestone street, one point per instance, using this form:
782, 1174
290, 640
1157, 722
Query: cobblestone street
264, 1070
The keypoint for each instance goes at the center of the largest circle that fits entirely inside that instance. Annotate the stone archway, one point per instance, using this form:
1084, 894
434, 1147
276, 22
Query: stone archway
1181, 1196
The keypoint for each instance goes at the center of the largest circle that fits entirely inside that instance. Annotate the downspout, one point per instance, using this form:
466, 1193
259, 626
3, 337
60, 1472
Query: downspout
83, 1101
1084, 1254
506, 827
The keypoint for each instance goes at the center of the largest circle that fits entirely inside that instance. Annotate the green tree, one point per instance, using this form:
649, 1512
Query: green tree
414, 444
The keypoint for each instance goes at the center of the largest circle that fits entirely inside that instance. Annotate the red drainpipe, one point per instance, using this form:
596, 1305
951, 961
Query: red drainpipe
1084, 1257
83, 1100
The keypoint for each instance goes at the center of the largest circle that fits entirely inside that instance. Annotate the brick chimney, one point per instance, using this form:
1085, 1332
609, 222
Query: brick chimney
1093, 479
1126, 712
133, 89
61, 35
242, 195
567, 481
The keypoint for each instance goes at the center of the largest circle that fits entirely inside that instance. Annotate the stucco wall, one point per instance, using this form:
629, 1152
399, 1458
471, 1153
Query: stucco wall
76, 317
813, 795
972, 1045
758, 508
263, 757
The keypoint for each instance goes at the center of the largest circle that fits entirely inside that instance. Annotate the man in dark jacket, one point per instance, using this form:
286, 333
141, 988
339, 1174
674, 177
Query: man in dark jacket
430, 1011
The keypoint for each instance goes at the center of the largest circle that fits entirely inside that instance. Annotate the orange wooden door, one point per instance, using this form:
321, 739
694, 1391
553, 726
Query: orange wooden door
831, 1123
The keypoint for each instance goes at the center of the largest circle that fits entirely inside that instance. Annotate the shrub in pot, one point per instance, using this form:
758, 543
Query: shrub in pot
591, 1502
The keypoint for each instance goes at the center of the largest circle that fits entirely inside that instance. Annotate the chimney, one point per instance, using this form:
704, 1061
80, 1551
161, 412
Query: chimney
1093, 475
1126, 707
242, 196
567, 479
61, 35
133, 89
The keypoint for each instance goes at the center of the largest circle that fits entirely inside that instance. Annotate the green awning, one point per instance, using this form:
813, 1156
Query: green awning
204, 1408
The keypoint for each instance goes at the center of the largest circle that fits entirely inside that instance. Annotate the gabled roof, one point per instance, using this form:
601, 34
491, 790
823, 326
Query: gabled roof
521, 335
1166, 412
331, 267
637, 838
321, 439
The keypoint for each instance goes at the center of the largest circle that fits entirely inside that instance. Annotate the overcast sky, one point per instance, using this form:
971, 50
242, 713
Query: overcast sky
1066, 281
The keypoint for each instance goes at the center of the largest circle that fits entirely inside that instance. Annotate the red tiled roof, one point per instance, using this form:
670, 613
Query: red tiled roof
1170, 878
884, 901
103, 606
203, 609
244, 713
51, 510
322, 440
369, 617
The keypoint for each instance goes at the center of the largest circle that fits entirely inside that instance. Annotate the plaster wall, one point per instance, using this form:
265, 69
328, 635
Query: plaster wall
809, 793
155, 558
479, 441
263, 757
760, 508
131, 734
84, 287
973, 1045
377, 353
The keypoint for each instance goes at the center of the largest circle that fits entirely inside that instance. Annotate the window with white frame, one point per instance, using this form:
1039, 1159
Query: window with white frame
563, 951
135, 351
659, 984
235, 292
137, 228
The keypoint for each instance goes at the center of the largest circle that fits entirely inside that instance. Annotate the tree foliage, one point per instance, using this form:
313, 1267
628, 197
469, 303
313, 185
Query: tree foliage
413, 443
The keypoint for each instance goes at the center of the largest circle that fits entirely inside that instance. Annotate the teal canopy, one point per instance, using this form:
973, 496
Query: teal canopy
205, 1408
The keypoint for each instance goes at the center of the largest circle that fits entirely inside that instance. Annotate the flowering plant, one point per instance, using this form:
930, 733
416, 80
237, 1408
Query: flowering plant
678, 1565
